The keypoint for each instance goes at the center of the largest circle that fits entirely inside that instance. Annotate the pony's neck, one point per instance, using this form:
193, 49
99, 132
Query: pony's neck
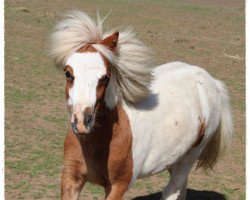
108, 119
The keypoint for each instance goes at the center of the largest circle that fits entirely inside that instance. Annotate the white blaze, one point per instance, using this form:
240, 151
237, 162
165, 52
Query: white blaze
88, 68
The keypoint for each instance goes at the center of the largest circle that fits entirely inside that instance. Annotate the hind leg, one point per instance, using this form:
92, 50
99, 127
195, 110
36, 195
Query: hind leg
176, 188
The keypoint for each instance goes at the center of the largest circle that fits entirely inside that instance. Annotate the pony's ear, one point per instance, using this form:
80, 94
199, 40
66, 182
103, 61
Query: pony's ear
111, 41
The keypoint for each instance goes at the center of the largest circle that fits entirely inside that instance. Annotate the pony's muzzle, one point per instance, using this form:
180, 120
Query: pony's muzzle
82, 122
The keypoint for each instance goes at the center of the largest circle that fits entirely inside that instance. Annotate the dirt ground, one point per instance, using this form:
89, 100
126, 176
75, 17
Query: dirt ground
206, 33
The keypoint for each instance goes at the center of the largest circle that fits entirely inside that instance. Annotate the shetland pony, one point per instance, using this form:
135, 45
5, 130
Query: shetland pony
130, 119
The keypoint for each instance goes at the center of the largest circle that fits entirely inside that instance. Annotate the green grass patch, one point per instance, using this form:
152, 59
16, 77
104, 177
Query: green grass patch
23, 186
59, 120
16, 95
37, 163
164, 175
94, 189
198, 9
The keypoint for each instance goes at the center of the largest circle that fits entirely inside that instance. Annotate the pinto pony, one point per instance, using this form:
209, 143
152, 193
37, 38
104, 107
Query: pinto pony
129, 119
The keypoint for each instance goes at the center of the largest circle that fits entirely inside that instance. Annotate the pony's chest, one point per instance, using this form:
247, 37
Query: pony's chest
96, 161
107, 160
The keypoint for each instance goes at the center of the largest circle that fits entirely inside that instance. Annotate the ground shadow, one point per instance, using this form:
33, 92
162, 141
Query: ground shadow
191, 195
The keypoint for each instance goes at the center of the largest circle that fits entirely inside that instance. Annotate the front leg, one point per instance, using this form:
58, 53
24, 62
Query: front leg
72, 183
74, 169
116, 191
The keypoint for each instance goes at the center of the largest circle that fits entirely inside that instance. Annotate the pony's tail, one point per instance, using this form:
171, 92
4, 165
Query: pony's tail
222, 137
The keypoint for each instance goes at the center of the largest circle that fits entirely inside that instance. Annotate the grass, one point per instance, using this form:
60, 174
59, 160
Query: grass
94, 189
34, 163
199, 9
16, 95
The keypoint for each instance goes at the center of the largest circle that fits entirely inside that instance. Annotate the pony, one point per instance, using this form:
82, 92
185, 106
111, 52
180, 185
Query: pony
130, 119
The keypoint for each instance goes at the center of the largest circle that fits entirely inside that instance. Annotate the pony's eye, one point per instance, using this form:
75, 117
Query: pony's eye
68, 74
103, 80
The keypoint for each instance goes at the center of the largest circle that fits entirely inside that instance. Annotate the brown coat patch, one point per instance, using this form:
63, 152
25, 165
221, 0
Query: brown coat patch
86, 48
201, 132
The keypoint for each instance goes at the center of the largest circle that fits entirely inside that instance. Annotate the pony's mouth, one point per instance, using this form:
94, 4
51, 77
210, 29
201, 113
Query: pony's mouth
86, 131
83, 127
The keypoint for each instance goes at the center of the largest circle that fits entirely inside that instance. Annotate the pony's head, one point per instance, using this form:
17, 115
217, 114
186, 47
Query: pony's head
87, 77
100, 69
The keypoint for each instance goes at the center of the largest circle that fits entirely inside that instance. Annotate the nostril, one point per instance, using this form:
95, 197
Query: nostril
87, 119
74, 125
75, 120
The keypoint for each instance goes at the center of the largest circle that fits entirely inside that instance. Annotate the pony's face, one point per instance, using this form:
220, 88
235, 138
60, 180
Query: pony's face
87, 77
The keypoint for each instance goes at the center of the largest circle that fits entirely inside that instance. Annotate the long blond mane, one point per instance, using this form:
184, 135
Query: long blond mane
131, 64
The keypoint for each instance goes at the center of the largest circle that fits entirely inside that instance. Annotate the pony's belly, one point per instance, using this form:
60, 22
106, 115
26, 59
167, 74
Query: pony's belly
161, 137
160, 148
